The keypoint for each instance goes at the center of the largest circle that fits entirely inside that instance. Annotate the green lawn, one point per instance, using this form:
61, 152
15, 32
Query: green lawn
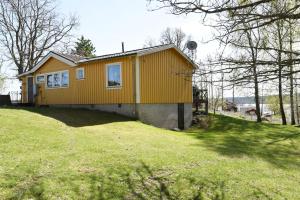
79, 154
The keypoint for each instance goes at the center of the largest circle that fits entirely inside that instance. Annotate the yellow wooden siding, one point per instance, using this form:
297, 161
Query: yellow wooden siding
165, 77
55, 95
91, 90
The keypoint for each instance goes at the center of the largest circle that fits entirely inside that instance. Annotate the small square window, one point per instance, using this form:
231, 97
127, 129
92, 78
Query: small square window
80, 73
40, 79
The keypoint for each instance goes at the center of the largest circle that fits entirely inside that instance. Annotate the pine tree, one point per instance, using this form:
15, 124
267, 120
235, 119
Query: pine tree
84, 47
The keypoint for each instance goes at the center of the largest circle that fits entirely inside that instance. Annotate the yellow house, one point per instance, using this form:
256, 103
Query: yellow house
151, 84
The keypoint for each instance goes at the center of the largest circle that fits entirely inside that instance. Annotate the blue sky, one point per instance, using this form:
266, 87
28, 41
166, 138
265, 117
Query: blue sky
108, 23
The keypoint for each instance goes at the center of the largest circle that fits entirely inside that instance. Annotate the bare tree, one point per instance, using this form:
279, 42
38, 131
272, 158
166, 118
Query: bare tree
29, 28
216, 101
279, 37
244, 68
291, 70
260, 58
174, 36
150, 42
234, 7
297, 102
3, 77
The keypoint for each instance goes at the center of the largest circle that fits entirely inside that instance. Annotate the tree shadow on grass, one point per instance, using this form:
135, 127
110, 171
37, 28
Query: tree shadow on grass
77, 117
138, 183
142, 182
276, 144
145, 183
33, 188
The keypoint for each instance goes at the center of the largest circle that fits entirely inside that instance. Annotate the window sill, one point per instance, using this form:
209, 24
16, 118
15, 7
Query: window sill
113, 87
61, 87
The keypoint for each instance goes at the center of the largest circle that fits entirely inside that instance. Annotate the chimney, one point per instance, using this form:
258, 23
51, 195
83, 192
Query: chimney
123, 50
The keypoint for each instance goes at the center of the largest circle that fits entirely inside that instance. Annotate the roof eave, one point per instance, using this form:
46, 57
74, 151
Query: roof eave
104, 58
195, 66
45, 59
110, 56
24, 74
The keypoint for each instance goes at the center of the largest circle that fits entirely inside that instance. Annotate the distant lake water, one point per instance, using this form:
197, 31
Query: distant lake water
242, 108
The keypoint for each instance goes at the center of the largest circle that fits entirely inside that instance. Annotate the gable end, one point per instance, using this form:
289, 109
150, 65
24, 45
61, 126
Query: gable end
46, 58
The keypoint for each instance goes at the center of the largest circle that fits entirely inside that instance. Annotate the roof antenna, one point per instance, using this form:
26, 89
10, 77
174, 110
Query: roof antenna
123, 50
192, 46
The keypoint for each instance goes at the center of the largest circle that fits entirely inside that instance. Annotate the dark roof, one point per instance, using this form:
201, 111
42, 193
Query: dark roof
76, 59
72, 57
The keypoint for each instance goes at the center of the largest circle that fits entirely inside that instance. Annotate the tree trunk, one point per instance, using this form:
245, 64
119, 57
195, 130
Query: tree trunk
262, 100
293, 122
222, 88
297, 110
256, 94
297, 105
233, 93
253, 49
283, 117
212, 89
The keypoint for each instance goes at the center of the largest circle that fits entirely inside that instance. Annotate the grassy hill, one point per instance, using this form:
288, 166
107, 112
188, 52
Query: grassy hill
79, 154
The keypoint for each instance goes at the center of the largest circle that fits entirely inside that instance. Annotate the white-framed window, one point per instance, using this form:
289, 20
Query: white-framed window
40, 79
49, 80
80, 73
65, 79
57, 79
114, 75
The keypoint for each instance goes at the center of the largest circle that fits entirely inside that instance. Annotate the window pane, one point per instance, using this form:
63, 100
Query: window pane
114, 75
65, 79
56, 80
80, 74
40, 79
49, 80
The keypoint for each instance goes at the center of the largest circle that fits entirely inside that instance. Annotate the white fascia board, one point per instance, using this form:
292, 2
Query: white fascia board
62, 59
147, 52
150, 51
45, 59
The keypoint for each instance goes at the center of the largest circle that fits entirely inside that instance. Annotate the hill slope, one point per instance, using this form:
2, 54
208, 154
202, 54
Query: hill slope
80, 154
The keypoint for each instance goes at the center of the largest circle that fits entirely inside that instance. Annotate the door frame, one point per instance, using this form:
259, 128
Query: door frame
33, 85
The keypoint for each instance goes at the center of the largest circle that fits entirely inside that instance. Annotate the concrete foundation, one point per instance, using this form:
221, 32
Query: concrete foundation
160, 115
164, 115
122, 109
